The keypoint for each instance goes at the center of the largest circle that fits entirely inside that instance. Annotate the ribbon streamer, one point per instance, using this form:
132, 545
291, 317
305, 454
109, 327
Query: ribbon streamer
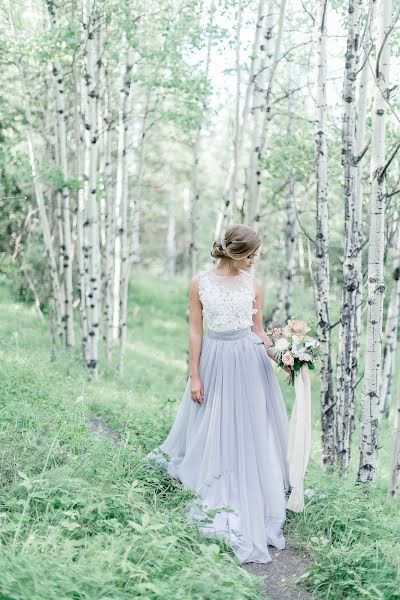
299, 442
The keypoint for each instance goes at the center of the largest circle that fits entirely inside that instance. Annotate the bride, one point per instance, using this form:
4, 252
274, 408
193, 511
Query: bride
228, 442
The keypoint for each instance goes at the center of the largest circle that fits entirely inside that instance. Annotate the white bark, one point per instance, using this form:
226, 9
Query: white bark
61, 140
376, 281
352, 277
322, 279
80, 133
136, 208
44, 222
122, 202
395, 458
290, 224
391, 329
170, 242
262, 112
195, 195
91, 223
109, 238
230, 188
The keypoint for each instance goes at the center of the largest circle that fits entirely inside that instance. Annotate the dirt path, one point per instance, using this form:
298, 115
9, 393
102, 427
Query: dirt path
286, 565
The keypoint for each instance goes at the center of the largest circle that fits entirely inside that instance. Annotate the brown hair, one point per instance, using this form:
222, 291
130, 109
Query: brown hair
238, 242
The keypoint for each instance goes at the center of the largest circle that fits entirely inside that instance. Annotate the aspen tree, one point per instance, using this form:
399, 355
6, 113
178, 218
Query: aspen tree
395, 458
230, 188
61, 140
346, 362
122, 200
322, 279
269, 63
194, 195
391, 329
376, 282
91, 222
39, 196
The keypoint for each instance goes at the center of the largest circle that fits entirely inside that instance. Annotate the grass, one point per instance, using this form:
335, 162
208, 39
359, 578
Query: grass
82, 518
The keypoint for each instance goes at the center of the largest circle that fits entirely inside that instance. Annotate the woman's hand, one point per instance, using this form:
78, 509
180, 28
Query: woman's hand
287, 368
196, 389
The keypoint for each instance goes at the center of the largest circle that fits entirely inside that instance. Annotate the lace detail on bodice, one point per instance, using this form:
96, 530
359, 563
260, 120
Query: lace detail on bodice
227, 301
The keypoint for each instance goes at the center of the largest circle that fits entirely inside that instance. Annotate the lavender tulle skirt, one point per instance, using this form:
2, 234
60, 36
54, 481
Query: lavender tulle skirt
232, 449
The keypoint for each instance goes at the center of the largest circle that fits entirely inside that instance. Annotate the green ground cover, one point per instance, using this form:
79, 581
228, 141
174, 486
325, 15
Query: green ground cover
83, 518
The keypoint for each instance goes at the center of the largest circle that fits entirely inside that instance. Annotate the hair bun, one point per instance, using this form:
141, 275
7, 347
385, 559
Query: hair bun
219, 249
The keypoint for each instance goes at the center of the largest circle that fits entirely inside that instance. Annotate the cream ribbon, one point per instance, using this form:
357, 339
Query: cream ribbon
299, 441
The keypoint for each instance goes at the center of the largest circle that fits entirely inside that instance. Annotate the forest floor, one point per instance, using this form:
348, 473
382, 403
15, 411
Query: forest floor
83, 515
288, 566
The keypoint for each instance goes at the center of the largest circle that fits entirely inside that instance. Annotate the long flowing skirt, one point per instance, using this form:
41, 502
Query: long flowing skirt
232, 449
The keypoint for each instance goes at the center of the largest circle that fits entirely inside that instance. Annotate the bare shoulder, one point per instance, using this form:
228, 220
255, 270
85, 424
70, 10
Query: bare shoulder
194, 282
257, 284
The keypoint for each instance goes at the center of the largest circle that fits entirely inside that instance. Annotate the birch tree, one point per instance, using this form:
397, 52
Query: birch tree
230, 188
38, 189
391, 330
395, 457
122, 196
322, 279
61, 141
194, 187
352, 278
376, 282
263, 111
91, 222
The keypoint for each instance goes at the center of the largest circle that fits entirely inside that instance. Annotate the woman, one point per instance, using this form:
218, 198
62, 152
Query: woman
229, 439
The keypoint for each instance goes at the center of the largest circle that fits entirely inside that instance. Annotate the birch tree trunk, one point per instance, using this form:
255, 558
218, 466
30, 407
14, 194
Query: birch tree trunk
391, 328
80, 133
194, 196
258, 108
360, 149
61, 140
122, 201
44, 222
352, 278
91, 223
136, 208
376, 282
322, 279
260, 133
230, 187
120, 188
170, 242
290, 223
395, 459
109, 236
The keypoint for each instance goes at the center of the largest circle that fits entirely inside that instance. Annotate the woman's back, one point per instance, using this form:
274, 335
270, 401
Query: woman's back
228, 301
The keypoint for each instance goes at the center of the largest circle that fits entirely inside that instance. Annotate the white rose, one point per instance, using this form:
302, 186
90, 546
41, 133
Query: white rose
281, 344
304, 356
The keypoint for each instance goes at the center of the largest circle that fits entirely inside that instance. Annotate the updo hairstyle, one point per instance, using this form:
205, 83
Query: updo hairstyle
238, 242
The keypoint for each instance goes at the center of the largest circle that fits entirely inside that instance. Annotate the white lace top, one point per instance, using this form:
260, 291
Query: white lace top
227, 300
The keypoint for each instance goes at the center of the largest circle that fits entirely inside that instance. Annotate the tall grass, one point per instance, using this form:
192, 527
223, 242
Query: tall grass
83, 518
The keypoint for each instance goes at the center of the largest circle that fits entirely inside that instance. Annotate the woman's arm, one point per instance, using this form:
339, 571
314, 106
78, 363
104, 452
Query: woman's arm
257, 320
195, 339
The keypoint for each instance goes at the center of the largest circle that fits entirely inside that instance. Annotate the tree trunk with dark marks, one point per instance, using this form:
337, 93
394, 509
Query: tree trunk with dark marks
376, 281
391, 329
91, 222
352, 277
122, 202
194, 188
61, 141
322, 278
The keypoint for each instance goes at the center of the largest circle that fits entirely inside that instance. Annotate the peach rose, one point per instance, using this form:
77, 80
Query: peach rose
287, 359
298, 326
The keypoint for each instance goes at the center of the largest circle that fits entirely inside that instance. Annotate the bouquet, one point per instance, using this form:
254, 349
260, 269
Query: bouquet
292, 346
